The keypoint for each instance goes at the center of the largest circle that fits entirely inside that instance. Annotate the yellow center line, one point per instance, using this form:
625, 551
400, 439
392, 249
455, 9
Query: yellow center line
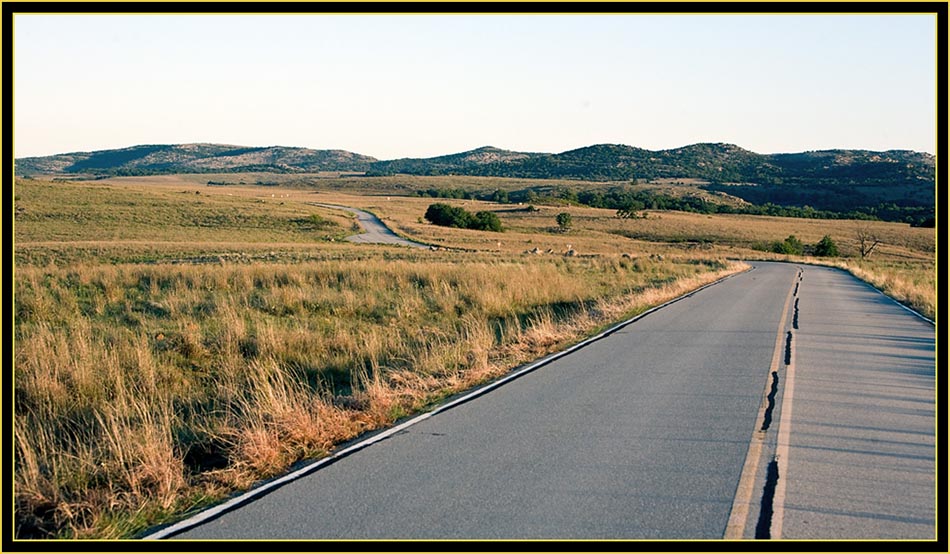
742, 503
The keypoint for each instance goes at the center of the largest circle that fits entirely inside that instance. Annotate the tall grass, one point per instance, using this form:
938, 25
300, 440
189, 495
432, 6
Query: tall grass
142, 391
903, 266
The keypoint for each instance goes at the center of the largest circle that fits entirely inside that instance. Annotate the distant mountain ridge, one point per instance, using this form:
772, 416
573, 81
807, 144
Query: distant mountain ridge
837, 180
715, 162
196, 158
826, 179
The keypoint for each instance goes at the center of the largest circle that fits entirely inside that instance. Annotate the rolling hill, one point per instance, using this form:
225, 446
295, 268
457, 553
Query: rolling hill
837, 180
195, 158
713, 162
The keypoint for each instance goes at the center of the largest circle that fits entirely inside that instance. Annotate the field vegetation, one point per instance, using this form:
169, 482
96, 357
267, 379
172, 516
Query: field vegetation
175, 341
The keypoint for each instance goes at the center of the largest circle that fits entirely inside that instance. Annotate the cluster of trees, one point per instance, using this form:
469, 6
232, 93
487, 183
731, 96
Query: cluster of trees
832, 201
618, 198
627, 202
826, 247
498, 195
917, 217
929, 221
624, 198
460, 194
451, 216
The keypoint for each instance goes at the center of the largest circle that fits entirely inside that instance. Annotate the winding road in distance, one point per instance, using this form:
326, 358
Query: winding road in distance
784, 402
374, 230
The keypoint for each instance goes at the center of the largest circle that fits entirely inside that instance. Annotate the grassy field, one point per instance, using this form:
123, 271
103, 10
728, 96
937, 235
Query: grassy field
175, 341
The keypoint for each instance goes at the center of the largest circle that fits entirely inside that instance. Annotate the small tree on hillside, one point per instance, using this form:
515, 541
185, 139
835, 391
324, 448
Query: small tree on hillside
868, 242
564, 221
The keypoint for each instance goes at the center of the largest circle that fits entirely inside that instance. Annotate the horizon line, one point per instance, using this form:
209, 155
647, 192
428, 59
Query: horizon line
473, 149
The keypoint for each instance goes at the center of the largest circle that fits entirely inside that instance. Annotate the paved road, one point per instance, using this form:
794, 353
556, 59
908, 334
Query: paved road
859, 456
375, 230
642, 434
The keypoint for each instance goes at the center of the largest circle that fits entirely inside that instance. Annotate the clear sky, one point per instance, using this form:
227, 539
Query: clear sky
393, 86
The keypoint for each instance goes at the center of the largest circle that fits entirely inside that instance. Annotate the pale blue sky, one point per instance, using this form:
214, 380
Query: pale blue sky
395, 86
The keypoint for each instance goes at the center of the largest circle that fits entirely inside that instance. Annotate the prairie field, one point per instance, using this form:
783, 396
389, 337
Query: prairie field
175, 342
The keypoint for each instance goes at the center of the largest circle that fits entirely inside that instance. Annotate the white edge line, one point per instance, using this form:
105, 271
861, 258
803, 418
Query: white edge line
911, 310
879, 291
210, 513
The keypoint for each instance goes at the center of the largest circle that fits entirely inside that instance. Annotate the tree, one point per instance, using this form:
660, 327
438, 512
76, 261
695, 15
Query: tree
791, 245
448, 216
564, 221
868, 241
486, 221
500, 196
567, 194
629, 209
826, 247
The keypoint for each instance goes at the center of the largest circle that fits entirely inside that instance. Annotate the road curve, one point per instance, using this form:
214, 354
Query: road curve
375, 231
642, 434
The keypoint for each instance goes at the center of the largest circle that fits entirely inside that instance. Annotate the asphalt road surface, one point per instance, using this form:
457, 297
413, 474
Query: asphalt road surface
858, 451
644, 434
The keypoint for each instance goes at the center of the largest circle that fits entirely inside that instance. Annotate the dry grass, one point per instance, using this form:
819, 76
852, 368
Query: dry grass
903, 265
140, 388
171, 347
92, 214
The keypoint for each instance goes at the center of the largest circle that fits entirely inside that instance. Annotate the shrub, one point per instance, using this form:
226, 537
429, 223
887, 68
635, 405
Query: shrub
448, 216
486, 221
790, 245
826, 247
629, 209
318, 222
564, 220
451, 216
